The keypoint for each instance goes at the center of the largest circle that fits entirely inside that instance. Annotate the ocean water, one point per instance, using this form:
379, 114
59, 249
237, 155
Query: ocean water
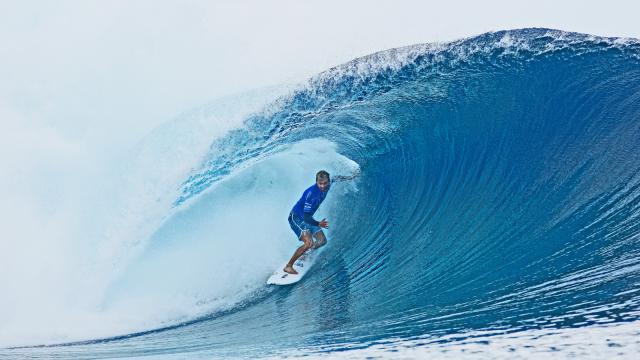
496, 214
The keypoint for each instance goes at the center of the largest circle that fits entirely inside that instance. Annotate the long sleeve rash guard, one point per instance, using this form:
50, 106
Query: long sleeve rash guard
309, 203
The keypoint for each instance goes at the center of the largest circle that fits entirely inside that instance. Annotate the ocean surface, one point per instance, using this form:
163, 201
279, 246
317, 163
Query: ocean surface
496, 214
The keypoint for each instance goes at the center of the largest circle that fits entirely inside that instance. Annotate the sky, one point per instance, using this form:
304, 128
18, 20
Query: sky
107, 72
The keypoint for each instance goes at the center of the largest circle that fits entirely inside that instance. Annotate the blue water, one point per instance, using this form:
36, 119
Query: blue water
499, 191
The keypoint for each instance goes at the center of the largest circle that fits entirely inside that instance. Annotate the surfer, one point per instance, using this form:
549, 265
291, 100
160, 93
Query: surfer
301, 217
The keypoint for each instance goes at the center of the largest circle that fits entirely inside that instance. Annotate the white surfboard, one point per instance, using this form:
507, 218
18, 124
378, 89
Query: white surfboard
302, 265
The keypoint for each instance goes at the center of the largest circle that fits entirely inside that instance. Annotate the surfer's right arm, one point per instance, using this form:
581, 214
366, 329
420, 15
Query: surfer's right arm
310, 220
308, 217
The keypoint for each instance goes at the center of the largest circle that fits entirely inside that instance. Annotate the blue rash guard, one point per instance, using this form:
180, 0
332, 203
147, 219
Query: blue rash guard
309, 203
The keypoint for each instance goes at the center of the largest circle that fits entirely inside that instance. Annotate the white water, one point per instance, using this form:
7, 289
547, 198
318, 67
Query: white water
76, 215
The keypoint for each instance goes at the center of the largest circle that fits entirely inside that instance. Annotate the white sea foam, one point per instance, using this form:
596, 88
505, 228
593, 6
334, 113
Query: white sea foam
511, 43
80, 214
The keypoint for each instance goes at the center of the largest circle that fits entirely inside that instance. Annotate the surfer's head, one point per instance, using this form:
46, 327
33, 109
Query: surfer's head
323, 180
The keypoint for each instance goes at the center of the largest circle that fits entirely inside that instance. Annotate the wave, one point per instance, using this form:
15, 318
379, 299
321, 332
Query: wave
499, 190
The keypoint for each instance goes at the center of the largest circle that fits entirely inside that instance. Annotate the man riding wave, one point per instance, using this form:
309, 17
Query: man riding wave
301, 218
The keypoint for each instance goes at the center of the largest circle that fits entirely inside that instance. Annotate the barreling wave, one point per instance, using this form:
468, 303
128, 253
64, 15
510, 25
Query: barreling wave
499, 190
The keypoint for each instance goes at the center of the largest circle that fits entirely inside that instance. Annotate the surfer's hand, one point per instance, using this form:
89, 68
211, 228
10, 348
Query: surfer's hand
324, 224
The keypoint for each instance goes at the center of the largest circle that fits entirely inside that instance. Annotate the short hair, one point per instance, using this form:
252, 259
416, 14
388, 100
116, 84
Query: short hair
322, 175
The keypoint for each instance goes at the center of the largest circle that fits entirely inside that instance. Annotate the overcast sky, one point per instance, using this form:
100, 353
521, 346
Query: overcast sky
115, 69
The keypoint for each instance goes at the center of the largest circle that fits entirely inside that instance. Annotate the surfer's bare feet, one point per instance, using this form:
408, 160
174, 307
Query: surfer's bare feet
290, 270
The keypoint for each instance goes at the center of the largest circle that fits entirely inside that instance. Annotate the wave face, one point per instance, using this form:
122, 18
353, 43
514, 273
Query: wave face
499, 191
